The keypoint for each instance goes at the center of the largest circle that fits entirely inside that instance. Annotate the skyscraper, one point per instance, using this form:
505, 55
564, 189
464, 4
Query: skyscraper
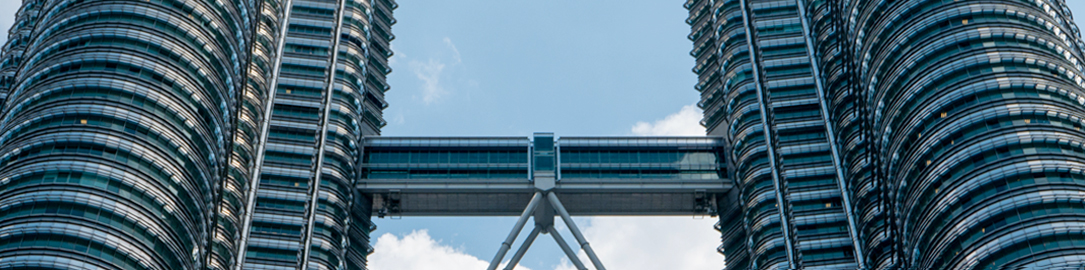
291, 219
169, 134
119, 121
187, 134
896, 134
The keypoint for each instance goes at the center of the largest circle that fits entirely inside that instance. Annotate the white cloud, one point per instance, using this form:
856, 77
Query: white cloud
683, 123
652, 243
418, 251
628, 243
455, 52
430, 74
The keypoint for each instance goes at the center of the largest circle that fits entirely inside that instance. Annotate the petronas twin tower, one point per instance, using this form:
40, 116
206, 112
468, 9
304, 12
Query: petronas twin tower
183, 134
880, 134
846, 134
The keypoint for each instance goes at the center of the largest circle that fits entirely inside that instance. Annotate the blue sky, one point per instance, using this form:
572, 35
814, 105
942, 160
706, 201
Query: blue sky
510, 68
484, 68
515, 67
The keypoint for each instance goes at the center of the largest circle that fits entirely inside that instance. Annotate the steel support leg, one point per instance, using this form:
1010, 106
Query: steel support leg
565, 247
516, 230
576, 231
523, 248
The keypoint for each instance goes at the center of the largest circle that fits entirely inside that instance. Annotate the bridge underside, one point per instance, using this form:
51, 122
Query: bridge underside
508, 198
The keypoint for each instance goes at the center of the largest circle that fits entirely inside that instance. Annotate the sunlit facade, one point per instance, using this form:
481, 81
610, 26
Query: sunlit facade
896, 134
170, 134
244, 134
292, 220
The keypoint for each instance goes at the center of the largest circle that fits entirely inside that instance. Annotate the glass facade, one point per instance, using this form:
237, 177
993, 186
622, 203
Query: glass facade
895, 134
655, 158
117, 119
445, 158
244, 134
170, 134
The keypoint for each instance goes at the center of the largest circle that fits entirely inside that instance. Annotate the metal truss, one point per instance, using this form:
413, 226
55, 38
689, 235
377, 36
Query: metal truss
543, 205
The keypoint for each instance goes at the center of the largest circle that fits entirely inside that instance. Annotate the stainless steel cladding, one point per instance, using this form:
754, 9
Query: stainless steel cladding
954, 127
134, 134
116, 131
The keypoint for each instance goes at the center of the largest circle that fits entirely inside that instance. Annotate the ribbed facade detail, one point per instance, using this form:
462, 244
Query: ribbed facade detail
294, 222
954, 127
232, 201
977, 112
18, 36
728, 92
170, 134
833, 45
116, 131
818, 223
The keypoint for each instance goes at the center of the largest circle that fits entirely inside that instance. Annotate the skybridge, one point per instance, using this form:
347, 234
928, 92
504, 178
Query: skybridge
543, 176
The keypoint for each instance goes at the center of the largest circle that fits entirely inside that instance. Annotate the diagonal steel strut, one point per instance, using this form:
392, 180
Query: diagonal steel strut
576, 231
565, 247
505, 246
545, 227
523, 248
